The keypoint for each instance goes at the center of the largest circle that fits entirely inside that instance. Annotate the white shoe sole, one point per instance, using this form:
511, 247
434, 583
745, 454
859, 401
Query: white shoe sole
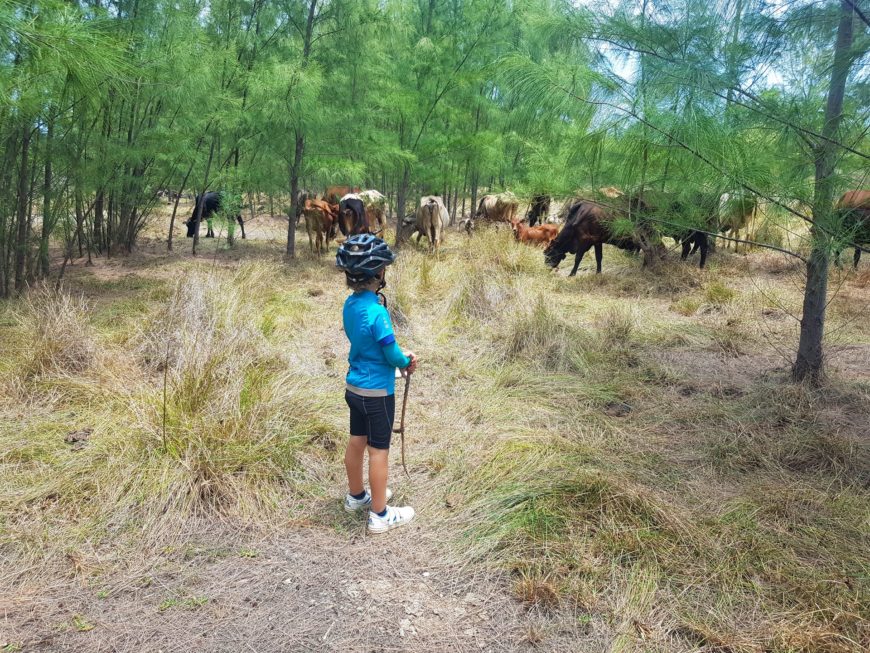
386, 527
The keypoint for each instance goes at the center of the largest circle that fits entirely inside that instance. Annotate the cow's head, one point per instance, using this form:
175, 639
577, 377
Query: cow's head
553, 255
191, 227
347, 220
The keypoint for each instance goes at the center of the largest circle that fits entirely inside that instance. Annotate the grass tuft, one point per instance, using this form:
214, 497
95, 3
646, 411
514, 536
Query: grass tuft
545, 340
58, 336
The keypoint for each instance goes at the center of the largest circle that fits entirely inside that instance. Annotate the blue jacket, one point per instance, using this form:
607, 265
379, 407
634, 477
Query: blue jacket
374, 354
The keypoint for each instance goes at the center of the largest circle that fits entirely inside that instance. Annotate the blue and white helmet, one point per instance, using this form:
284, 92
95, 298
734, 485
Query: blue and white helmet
363, 256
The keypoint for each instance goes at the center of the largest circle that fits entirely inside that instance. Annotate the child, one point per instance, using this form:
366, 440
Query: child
374, 357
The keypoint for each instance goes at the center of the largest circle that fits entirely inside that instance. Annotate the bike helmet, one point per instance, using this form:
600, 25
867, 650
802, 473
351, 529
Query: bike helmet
362, 257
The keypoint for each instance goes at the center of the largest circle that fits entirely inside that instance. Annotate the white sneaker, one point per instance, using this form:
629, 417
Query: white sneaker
352, 505
395, 517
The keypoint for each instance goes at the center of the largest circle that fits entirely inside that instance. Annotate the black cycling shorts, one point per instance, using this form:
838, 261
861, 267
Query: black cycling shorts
372, 417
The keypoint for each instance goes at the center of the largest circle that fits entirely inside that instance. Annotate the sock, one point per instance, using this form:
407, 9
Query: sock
383, 513
360, 496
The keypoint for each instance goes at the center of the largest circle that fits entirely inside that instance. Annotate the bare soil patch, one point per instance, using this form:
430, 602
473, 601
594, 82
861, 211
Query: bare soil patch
307, 590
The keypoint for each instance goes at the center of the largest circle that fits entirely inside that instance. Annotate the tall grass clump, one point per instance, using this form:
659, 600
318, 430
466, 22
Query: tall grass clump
496, 247
58, 338
480, 295
226, 407
546, 340
211, 421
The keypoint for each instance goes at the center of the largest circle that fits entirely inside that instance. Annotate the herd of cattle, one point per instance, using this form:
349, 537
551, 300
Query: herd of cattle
587, 223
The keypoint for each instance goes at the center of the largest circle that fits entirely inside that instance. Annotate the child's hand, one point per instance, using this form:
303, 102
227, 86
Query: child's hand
413, 366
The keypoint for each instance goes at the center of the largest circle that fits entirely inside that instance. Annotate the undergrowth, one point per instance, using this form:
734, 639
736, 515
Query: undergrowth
206, 417
618, 444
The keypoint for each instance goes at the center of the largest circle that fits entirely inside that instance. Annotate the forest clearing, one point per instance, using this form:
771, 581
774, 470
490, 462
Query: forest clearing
623, 241
603, 462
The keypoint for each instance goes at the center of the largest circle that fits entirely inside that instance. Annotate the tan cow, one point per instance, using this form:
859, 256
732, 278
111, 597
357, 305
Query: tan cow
376, 210
432, 216
736, 212
320, 219
497, 208
854, 209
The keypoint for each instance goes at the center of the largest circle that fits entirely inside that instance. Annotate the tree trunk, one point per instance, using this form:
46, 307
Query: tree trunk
23, 202
809, 364
99, 232
47, 220
294, 193
299, 150
401, 197
175, 206
199, 208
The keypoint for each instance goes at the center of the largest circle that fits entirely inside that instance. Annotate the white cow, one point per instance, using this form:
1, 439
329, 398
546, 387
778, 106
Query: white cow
432, 216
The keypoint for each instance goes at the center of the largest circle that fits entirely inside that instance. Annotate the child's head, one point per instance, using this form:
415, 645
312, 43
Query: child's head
364, 259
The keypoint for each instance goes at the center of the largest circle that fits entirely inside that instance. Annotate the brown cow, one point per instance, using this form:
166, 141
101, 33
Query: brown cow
588, 225
497, 208
543, 234
854, 210
320, 219
333, 194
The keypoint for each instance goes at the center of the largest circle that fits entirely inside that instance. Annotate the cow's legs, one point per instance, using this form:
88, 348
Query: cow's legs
599, 255
856, 258
687, 244
210, 224
579, 257
702, 244
241, 224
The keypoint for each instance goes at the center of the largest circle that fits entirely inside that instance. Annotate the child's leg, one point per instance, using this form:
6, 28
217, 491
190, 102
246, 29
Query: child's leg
378, 459
353, 463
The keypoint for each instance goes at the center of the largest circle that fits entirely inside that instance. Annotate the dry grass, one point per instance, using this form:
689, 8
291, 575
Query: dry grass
204, 419
619, 444
58, 338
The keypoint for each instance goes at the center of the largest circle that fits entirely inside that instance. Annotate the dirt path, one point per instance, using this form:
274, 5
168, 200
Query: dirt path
310, 590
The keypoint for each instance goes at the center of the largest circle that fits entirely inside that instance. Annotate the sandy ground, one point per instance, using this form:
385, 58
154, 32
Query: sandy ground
353, 593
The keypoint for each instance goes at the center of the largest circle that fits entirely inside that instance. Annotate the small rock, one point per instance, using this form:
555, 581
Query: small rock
78, 439
426, 574
452, 500
472, 599
617, 409
406, 626
288, 581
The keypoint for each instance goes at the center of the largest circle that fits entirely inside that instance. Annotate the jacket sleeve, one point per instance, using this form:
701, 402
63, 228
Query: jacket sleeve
394, 355
382, 330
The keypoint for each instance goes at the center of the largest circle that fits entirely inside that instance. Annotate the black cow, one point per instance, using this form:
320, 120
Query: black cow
211, 205
352, 216
539, 209
587, 226
674, 216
